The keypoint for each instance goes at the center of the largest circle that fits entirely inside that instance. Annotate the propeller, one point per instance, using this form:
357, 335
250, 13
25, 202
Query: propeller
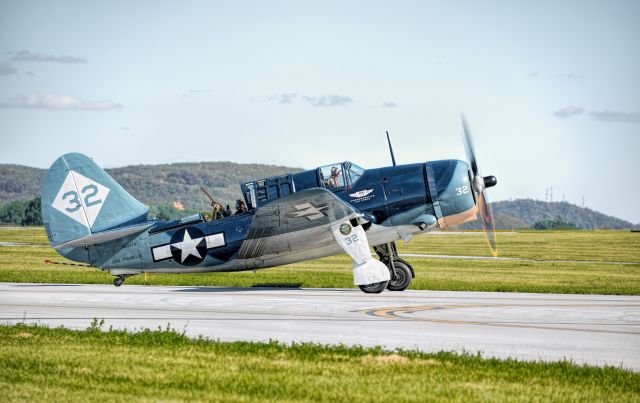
480, 184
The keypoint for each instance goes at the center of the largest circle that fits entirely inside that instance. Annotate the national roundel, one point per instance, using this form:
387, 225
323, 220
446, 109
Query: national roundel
188, 246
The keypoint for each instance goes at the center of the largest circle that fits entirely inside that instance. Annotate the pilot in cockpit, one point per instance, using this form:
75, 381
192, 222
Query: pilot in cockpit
332, 182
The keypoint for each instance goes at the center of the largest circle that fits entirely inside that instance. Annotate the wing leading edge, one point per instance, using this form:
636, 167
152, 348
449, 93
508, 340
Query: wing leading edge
284, 226
307, 225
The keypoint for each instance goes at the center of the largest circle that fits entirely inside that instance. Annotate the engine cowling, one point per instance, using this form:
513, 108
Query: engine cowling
452, 194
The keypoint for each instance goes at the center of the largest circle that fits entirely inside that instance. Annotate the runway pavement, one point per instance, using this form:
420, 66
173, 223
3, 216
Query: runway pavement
593, 329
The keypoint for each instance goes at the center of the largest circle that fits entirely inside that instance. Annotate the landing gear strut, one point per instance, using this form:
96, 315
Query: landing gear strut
401, 271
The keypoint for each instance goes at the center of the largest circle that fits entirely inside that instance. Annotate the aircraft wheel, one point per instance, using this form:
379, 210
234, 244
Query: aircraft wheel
118, 281
402, 279
375, 288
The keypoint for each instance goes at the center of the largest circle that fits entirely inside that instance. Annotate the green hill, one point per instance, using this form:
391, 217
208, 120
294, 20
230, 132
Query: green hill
168, 183
523, 213
18, 182
165, 184
529, 211
154, 184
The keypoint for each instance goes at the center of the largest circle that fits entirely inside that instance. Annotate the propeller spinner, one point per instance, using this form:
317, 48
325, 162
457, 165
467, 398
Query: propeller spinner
480, 185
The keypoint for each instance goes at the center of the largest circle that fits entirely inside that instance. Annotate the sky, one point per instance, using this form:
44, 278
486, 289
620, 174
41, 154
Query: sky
551, 89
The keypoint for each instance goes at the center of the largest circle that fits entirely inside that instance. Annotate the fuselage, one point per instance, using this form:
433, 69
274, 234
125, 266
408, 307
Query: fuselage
398, 201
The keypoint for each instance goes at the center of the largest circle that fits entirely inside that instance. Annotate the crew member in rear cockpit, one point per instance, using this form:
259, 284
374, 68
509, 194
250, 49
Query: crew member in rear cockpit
240, 207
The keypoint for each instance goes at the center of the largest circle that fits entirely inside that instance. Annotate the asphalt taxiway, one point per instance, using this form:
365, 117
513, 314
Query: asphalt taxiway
592, 329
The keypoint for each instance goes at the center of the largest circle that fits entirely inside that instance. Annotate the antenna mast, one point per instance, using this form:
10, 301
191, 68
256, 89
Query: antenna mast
393, 158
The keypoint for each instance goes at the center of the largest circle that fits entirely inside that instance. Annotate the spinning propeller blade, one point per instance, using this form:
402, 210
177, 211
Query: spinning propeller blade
480, 184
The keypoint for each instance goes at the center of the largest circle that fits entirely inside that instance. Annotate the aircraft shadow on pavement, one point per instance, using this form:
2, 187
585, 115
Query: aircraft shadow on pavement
50, 285
256, 287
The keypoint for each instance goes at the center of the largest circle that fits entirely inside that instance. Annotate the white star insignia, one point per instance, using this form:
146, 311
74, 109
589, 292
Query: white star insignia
308, 210
188, 246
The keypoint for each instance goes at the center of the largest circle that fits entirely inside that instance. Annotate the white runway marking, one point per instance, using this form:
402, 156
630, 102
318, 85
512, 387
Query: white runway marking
514, 259
593, 329
32, 245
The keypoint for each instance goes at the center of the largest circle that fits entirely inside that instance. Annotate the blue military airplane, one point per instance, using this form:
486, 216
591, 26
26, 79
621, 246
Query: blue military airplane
333, 209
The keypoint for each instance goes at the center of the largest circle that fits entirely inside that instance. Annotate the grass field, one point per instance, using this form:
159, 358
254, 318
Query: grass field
42, 364
26, 264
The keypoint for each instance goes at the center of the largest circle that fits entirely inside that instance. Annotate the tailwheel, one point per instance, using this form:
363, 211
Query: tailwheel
375, 288
400, 277
118, 281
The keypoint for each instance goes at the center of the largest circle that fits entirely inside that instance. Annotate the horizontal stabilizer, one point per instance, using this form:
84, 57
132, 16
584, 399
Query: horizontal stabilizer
105, 236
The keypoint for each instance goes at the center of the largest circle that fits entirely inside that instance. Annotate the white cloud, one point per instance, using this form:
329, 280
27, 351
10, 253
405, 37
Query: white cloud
389, 104
568, 112
58, 102
328, 100
616, 116
324, 101
283, 98
27, 56
603, 115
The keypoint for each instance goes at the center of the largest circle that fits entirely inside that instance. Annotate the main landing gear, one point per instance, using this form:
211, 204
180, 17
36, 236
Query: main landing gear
375, 288
401, 271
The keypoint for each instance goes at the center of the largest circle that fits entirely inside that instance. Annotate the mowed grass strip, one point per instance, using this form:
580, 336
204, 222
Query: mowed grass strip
43, 364
601, 245
33, 235
26, 264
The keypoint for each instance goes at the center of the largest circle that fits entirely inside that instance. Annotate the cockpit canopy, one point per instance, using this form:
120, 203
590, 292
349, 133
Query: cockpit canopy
335, 177
339, 176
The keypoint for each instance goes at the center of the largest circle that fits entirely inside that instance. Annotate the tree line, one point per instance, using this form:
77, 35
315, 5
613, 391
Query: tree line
558, 224
22, 212
29, 212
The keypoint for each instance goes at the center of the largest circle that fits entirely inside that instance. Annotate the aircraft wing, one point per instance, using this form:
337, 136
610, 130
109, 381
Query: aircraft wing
305, 225
299, 221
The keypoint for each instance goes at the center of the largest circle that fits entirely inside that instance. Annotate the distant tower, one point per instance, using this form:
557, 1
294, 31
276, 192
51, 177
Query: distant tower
546, 194
563, 200
551, 194
582, 201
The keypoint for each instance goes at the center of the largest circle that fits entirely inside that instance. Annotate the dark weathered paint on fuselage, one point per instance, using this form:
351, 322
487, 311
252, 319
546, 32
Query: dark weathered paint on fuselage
135, 252
398, 191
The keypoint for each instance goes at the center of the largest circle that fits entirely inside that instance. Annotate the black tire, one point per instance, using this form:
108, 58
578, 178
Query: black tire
402, 279
118, 281
375, 288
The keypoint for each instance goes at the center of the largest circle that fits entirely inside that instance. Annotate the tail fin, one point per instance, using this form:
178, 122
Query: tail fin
79, 198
